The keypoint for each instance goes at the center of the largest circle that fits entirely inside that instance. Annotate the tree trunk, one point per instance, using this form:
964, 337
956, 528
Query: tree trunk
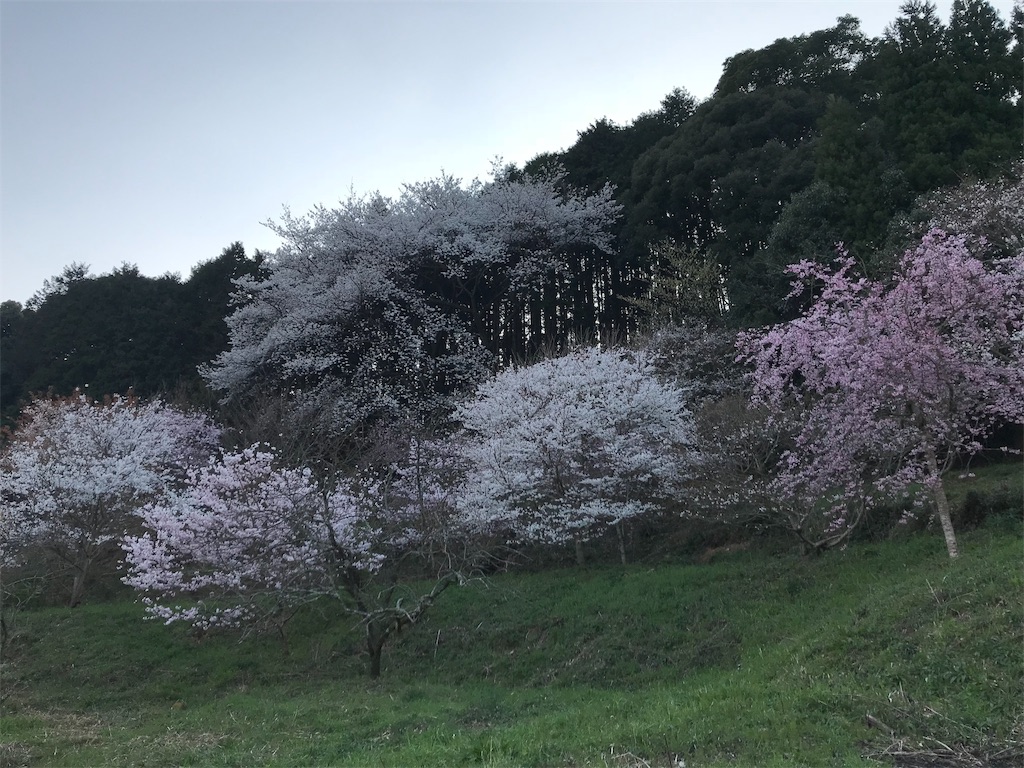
579, 551
375, 662
620, 529
78, 585
941, 503
375, 647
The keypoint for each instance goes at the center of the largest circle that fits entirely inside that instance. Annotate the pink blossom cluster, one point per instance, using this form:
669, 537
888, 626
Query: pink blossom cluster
247, 535
895, 379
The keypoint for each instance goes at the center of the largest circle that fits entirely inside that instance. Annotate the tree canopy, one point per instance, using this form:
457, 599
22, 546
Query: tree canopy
389, 308
559, 450
812, 140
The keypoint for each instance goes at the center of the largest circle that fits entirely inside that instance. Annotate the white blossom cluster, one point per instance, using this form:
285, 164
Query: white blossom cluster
378, 308
76, 469
561, 449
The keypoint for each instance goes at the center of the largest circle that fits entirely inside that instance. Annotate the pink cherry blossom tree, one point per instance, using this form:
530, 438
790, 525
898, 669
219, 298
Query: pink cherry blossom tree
896, 379
75, 470
561, 450
248, 541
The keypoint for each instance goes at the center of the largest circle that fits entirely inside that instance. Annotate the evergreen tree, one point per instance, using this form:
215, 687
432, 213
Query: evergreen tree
12, 369
106, 335
986, 114
717, 185
824, 60
209, 297
118, 332
946, 93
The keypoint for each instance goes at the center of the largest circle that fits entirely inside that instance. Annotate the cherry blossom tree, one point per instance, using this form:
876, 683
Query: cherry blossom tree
897, 379
247, 542
741, 444
989, 213
75, 470
559, 451
746, 480
418, 490
385, 309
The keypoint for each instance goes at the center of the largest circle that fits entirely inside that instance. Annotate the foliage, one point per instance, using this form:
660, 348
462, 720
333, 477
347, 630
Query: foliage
937, 103
809, 226
562, 449
58, 285
682, 286
208, 298
378, 316
897, 380
825, 60
718, 183
989, 213
103, 335
605, 153
814, 139
858, 178
12, 315
118, 332
75, 471
696, 356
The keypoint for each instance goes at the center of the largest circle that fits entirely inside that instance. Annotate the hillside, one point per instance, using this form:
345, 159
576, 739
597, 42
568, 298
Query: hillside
759, 657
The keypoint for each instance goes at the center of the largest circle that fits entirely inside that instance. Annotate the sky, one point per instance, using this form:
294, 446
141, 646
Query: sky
157, 133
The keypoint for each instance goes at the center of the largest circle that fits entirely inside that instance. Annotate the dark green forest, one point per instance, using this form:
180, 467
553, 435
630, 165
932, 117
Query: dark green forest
814, 140
118, 332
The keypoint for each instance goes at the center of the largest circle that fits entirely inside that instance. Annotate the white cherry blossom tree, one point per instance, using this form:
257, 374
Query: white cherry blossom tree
76, 470
559, 451
385, 309
989, 214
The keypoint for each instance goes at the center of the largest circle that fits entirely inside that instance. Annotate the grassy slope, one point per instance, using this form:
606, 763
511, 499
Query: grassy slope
754, 659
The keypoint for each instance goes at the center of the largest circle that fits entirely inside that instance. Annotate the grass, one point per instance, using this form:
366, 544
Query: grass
755, 659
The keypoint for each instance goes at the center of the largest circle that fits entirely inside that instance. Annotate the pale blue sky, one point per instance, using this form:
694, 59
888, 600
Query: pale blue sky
158, 133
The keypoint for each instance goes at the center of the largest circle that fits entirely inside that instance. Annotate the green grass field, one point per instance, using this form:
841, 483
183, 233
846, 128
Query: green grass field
758, 658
